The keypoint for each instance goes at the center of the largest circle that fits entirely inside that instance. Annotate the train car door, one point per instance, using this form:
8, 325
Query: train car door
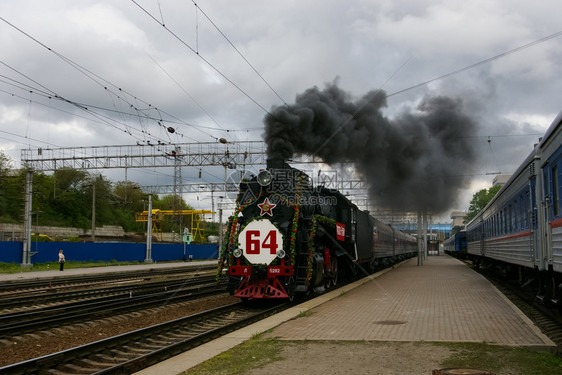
553, 228
536, 213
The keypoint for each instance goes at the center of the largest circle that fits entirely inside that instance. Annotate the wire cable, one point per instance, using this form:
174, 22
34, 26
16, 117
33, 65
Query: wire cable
201, 57
485, 61
239, 53
91, 75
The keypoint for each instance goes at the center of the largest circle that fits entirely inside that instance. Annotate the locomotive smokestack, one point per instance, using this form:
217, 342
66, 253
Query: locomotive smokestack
412, 162
276, 163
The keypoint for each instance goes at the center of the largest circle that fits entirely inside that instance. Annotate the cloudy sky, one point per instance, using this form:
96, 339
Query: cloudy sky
218, 67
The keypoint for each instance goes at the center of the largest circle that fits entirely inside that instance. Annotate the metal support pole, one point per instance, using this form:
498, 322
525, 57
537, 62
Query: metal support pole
94, 211
425, 249
26, 253
148, 258
420, 248
213, 204
220, 229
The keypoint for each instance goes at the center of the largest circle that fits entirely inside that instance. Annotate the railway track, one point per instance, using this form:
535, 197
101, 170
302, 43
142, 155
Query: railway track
64, 282
25, 302
139, 349
50, 317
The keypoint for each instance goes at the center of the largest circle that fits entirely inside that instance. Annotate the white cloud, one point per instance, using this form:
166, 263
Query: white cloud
108, 23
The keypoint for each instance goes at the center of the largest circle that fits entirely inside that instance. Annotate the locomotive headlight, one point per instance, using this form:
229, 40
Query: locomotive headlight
281, 253
237, 253
264, 178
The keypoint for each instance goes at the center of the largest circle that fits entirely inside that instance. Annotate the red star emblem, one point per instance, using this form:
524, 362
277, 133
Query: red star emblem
266, 207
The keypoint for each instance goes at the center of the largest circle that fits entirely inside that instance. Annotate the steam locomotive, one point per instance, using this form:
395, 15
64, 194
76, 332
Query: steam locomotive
287, 237
520, 230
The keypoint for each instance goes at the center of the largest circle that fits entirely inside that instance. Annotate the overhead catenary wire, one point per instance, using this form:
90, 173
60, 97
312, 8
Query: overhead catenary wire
481, 62
26, 138
202, 58
186, 93
238, 51
91, 75
47, 93
174, 121
102, 119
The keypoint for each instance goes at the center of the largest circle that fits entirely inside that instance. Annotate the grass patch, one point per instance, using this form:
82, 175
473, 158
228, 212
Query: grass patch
259, 352
305, 313
254, 353
502, 359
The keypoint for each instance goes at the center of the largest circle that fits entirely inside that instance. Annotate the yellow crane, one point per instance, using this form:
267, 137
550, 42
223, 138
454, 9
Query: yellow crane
197, 216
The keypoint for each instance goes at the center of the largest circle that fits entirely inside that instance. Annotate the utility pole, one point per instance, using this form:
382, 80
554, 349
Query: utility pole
26, 253
221, 204
94, 211
148, 257
424, 234
420, 247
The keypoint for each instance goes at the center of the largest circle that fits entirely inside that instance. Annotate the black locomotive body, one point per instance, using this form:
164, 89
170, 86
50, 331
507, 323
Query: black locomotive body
287, 237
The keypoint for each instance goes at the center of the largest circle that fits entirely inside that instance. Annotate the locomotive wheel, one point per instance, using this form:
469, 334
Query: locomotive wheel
334, 270
331, 278
290, 288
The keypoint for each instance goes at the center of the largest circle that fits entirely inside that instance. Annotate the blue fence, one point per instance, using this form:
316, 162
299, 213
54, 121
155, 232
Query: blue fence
11, 251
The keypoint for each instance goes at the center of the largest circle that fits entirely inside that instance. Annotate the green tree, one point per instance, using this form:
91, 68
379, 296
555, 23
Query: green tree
129, 199
129, 196
69, 198
173, 223
479, 200
5, 166
103, 195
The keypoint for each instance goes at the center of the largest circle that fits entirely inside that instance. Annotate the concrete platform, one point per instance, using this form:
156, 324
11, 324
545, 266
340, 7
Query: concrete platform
443, 300
55, 273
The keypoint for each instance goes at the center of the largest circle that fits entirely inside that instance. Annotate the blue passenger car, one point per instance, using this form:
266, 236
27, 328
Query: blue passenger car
521, 227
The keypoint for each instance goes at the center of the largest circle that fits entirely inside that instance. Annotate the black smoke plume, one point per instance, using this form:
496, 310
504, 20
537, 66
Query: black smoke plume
413, 162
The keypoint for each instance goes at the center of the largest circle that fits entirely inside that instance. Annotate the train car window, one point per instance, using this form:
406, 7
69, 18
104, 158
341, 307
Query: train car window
507, 219
555, 192
502, 223
547, 187
526, 208
515, 216
521, 214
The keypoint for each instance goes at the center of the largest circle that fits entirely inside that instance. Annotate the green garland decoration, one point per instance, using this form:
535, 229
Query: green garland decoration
293, 240
311, 250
